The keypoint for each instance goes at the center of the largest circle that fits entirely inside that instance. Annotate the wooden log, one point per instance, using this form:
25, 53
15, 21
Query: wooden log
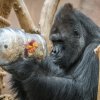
47, 15
24, 17
46, 19
97, 51
5, 7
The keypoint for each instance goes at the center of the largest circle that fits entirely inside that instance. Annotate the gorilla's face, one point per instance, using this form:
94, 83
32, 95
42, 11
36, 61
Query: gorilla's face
68, 38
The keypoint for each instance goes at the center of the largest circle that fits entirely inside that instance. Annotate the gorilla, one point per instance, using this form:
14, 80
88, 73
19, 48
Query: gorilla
70, 71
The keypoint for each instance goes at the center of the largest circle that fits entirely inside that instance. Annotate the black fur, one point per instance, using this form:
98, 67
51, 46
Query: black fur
71, 70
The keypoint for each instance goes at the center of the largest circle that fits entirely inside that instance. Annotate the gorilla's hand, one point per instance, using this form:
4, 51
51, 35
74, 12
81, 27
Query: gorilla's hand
22, 68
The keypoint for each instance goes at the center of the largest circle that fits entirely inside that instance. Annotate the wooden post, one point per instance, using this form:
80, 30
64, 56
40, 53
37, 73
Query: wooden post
5, 7
47, 15
97, 51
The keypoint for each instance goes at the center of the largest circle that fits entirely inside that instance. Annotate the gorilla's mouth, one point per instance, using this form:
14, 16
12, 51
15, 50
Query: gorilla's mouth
55, 55
58, 58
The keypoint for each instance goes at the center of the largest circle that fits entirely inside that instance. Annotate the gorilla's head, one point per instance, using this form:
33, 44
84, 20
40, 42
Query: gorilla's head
70, 34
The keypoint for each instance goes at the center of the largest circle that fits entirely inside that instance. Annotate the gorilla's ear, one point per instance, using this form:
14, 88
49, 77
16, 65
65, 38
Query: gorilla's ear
66, 10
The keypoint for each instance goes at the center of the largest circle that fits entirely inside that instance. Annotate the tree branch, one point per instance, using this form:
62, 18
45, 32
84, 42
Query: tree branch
24, 17
47, 15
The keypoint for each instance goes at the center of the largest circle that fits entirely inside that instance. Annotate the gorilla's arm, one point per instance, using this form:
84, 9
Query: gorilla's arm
27, 67
49, 87
46, 81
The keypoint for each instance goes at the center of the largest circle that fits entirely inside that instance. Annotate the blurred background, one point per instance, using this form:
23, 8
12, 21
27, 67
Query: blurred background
89, 7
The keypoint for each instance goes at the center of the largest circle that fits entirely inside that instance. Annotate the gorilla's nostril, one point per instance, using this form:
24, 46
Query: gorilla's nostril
55, 50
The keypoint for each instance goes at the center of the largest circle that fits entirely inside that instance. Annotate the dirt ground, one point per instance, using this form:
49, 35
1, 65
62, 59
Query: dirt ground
90, 7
